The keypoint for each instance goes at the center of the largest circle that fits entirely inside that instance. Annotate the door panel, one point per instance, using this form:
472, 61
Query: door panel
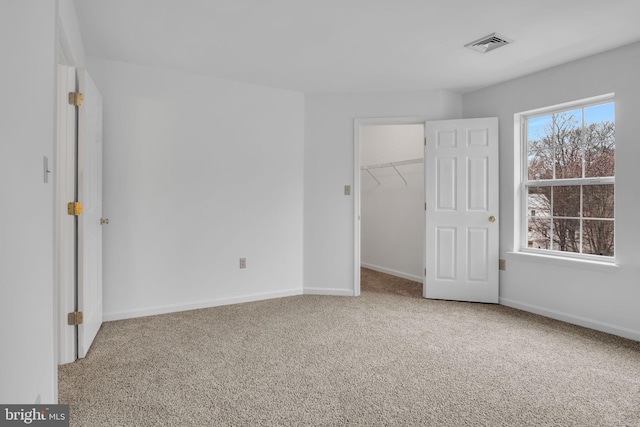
478, 184
461, 172
89, 224
446, 185
477, 249
446, 256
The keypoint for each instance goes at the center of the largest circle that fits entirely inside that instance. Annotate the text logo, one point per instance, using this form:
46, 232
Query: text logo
34, 415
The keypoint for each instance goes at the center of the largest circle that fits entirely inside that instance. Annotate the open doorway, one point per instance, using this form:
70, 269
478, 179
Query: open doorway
390, 198
460, 210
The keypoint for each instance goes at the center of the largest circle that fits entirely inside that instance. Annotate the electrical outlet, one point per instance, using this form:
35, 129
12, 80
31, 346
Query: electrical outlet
502, 264
347, 190
243, 263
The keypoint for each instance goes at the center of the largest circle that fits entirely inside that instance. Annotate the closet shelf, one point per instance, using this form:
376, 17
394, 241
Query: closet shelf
391, 165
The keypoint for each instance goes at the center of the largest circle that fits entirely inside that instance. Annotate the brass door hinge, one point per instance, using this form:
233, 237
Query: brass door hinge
425, 141
74, 208
74, 318
76, 98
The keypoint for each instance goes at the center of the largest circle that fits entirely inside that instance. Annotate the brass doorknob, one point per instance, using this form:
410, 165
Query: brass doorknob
492, 218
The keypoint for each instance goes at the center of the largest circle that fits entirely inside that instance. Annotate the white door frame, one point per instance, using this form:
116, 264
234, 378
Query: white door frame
64, 176
358, 123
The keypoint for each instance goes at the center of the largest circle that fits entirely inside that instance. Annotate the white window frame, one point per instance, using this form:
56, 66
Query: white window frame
522, 183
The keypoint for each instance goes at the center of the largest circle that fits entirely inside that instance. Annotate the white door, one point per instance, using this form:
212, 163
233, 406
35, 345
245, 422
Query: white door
461, 173
65, 223
89, 222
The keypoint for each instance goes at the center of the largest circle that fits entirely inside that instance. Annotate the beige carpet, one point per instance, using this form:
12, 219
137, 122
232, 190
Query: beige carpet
388, 357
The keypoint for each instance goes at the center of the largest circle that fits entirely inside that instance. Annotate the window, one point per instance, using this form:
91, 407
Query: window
568, 180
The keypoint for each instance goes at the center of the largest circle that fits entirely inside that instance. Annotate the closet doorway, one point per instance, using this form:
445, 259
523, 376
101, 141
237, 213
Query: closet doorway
390, 200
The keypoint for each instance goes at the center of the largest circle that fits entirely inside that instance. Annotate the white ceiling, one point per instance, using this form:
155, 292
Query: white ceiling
355, 45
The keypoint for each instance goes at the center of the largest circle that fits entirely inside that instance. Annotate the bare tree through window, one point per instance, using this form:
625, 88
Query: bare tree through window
570, 181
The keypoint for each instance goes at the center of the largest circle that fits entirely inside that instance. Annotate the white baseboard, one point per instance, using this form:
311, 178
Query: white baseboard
575, 320
392, 272
328, 291
152, 311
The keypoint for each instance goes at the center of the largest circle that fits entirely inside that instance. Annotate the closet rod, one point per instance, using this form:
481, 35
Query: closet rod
391, 165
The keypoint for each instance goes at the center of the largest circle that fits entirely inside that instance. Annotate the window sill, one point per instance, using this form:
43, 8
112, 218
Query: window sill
560, 261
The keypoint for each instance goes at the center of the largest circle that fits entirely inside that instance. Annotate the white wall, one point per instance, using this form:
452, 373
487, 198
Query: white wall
198, 172
329, 165
392, 212
27, 132
604, 299
68, 21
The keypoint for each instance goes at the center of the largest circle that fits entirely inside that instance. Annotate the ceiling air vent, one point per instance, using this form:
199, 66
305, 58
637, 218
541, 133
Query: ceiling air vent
487, 43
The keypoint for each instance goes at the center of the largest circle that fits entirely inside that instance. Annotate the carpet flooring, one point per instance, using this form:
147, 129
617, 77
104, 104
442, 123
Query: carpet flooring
386, 358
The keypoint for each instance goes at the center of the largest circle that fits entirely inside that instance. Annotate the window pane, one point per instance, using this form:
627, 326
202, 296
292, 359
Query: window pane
539, 232
599, 141
599, 113
539, 217
599, 162
538, 128
599, 151
597, 237
566, 235
540, 164
567, 139
539, 148
539, 202
566, 201
568, 160
597, 201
